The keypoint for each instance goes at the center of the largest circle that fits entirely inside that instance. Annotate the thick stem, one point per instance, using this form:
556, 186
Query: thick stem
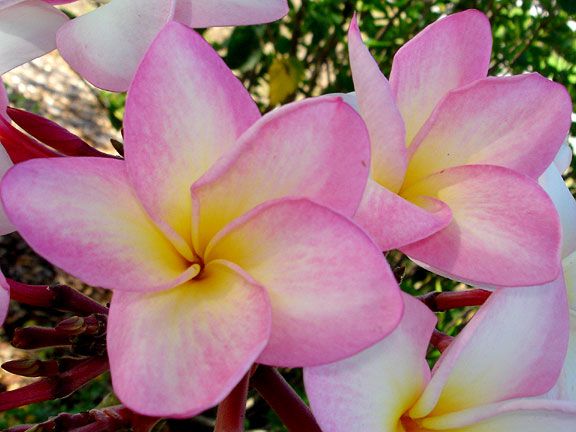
232, 410
282, 398
59, 297
443, 301
55, 387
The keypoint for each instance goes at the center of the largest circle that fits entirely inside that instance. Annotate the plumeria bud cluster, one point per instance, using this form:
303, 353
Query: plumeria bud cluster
231, 238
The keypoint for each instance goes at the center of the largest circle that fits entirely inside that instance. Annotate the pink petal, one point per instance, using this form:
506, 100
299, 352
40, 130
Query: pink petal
554, 185
185, 109
516, 122
202, 13
525, 415
82, 215
317, 149
394, 222
4, 298
378, 109
513, 347
565, 387
331, 290
177, 353
106, 45
504, 230
448, 54
372, 390
6, 226
27, 30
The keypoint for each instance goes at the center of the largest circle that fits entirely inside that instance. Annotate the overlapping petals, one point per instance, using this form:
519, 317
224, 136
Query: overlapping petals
27, 30
262, 272
493, 377
454, 123
106, 45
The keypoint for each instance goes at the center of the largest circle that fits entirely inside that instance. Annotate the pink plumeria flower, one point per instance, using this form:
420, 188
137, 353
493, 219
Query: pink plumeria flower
27, 30
215, 232
6, 226
492, 378
106, 45
455, 156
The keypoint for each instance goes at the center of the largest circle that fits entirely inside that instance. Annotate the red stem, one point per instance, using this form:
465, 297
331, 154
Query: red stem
282, 398
441, 340
232, 410
55, 387
443, 301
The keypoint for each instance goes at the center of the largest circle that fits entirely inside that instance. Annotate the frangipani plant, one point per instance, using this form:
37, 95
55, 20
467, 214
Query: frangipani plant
223, 235
456, 156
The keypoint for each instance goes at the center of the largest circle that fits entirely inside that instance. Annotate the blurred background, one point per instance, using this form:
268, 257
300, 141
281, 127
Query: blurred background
303, 55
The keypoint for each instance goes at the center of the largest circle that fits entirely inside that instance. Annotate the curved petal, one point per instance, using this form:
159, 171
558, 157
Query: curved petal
106, 45
82, 215
318, 149
177, 353
513, 347
517, 122
331, 290
526, 415
185, 109
394, 222
27, 30
565, 388
556, 188
4, 298
371, 391
213, 13
490, 241
447, 54
378, 109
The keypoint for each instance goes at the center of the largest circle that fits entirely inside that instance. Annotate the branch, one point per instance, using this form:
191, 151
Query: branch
443, 301
232, 410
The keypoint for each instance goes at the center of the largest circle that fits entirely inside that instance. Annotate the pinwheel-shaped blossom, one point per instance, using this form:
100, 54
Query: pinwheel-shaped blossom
456, 156
492, 378
27, 30
106, 45
215, 232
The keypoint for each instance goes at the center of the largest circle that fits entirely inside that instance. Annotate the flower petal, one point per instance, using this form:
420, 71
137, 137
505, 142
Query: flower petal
331, 290
447, 54
318, 149
513, 347
370, 391
378, 109
394, 222
565, 388
556, 188
564, 157
4, 298
185, 109
27, 30
213, 13
82, 215
106, 45
526, 415
6, 226
179, 352
490, 241
517, 122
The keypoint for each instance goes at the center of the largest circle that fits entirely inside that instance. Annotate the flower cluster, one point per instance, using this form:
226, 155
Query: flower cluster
231, 238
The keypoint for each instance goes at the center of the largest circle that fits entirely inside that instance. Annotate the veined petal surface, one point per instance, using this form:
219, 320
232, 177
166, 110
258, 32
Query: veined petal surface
213, 13
370, 391
179, 352
106, 45
504, 231
331, 290
185, 109
27, 30
318, 149
513, 347
82, 215
447, 54
518, 122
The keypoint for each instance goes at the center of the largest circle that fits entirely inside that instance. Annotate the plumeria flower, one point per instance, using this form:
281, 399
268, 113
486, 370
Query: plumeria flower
565, 203
106, 45
492, 378
456, 156
223, 234
27, 30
